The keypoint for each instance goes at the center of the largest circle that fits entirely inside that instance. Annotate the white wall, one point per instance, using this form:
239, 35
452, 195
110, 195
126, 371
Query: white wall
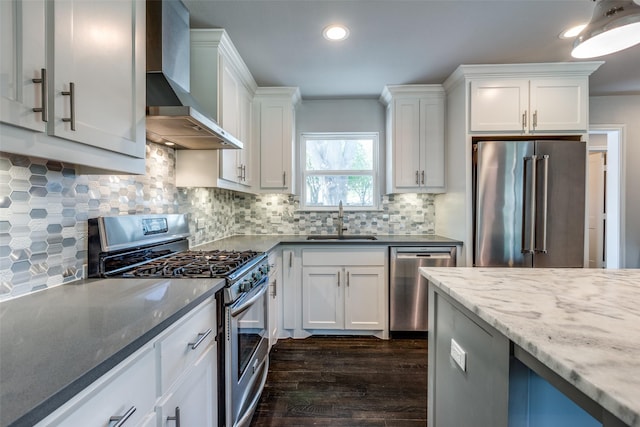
341, 115
625, 110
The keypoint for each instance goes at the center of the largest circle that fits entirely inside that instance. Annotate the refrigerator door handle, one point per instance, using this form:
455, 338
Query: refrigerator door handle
529, 233
545, 200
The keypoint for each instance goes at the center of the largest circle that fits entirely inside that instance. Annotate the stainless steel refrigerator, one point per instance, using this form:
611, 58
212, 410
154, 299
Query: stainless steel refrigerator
529, 203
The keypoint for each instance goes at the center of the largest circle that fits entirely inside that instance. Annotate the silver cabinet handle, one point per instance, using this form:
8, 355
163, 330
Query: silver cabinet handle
201, 337
417, 177
535, 119
71, 93
43, 95
176, 417
338, 278
524, 121
275, 289
290, 259
347, 279
244, 172
422, 179
121, 419
284, 178
239, 172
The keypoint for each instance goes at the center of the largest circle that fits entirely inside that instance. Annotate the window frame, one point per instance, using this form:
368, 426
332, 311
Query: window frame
374, 173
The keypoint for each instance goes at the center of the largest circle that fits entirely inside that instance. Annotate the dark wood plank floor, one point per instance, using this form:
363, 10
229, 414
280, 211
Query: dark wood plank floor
345, 381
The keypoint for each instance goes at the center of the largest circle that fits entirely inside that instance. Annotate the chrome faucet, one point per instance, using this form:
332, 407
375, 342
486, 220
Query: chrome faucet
341, 227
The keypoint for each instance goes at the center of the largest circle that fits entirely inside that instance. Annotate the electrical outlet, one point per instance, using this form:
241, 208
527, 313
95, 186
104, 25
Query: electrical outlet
276, 219
418, 218
199, 223
458, 355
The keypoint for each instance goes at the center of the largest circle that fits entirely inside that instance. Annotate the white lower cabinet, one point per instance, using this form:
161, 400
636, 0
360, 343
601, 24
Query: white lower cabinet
274, 298
127, 391
192, 400
177, 369
344, 289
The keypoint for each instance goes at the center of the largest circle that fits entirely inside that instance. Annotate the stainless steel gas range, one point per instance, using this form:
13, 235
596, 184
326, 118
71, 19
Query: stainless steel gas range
157, 246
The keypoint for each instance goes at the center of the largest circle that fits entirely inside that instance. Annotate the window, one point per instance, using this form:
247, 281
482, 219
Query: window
339, 167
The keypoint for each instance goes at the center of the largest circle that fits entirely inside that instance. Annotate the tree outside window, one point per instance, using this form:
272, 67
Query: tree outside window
339, 167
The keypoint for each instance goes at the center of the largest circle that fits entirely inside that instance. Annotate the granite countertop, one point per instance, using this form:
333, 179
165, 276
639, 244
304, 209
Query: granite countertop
584, 324
267, 242
56, 342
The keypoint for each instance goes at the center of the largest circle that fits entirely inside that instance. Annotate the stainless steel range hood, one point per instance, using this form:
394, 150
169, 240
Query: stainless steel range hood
173, 115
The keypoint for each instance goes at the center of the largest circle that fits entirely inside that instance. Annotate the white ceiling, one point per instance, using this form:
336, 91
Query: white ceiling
401, 41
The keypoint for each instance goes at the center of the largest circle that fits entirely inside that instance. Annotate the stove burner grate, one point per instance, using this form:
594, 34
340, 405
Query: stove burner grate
194, 264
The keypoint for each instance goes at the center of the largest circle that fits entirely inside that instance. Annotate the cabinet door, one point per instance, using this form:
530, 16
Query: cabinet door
559, 104
432, 144
290, 289
322, 298
22, 58
364, 298
274, 297
499, 105
246, 136
229, 119
275, 145
129, 388
99, 47
406, 150
195, 396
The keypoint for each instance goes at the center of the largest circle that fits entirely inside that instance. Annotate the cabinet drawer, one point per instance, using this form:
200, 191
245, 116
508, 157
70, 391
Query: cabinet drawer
176, 350
128, 388
350, 256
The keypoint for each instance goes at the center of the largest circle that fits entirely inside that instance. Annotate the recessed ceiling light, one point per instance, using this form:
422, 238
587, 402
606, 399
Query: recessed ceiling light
572, 32
335, 32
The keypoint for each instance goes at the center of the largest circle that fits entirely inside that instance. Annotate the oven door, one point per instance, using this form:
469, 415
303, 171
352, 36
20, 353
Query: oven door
247, 354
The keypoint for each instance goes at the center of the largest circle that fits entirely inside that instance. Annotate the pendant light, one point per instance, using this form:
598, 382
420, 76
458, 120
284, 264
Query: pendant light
614, 26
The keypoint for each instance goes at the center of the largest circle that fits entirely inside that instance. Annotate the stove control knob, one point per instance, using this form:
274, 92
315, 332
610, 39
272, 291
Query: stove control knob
245, 286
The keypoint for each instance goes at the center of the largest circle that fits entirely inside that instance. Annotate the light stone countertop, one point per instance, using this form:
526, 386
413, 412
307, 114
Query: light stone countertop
584, 324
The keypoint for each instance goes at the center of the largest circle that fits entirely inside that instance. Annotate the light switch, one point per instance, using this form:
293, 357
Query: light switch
458, 355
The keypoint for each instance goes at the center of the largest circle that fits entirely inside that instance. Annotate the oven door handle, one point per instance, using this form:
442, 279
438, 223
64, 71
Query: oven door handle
234, 311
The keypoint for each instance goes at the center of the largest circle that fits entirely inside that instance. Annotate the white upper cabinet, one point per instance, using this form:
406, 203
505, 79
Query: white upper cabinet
529, 106
274, 110
93, 88
22, 88
223, 85
415, 138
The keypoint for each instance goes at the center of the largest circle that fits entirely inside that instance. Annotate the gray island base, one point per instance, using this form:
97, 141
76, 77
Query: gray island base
533, 347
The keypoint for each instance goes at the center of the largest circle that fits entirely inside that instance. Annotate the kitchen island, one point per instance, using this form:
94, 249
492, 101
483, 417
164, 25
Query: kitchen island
492, 330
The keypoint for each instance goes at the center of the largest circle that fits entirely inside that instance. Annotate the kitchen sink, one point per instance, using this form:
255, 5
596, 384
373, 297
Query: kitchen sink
343, 237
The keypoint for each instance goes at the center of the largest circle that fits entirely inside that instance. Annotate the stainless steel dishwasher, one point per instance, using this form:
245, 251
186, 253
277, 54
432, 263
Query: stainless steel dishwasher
408, 293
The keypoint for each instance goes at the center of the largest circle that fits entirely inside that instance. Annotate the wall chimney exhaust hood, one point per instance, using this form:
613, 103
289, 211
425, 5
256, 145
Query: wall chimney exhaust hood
174, 117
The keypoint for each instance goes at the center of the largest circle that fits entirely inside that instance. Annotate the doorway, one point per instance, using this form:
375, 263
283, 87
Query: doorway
605, 188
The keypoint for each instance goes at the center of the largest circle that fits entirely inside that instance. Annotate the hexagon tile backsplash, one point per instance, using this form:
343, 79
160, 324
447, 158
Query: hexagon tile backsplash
44, 207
